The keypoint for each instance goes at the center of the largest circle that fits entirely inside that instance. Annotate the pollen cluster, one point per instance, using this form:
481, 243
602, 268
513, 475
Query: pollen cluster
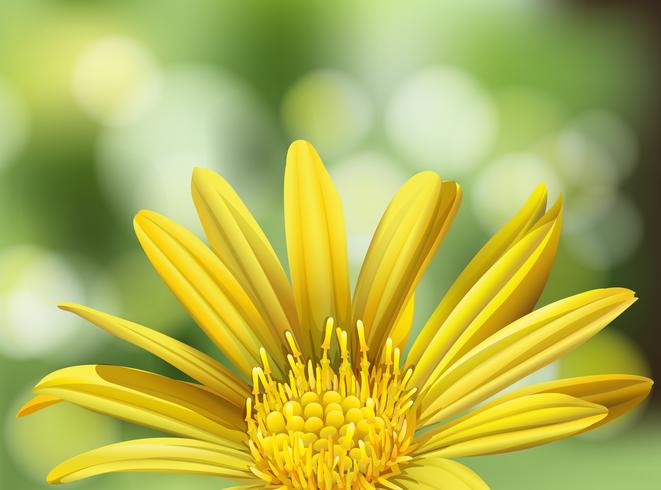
330, 427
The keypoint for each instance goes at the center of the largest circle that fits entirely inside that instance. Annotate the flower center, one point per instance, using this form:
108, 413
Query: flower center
329, 427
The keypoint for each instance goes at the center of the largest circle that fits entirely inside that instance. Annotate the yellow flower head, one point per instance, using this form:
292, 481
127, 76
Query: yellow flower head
326, 397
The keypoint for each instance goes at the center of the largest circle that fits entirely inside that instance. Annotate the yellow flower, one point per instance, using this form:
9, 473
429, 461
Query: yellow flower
325, 396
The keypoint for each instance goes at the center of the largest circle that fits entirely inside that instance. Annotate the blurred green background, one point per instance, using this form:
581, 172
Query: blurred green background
105, 108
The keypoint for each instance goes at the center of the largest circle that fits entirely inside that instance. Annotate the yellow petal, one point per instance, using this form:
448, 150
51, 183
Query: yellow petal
37, 403
501, 284
520, 349
515, 424
619, 393
502, 241
436, 473
147, 399
402, 327
190, 361
210, 293
241, 245
316, 243
407, 237
171, 455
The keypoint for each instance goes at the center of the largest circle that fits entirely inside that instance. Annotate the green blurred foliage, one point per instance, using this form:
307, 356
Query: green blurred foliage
262, 74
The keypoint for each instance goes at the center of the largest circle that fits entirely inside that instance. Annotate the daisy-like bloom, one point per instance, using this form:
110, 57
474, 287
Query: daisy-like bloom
324, 395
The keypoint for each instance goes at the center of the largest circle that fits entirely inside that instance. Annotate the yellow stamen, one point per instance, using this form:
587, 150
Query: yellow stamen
327, 426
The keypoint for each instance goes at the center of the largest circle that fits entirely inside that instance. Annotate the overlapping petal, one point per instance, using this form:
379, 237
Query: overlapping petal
147, 399
208, 290
37, 403
407, 237
517, 423
316, 243
190, 361
402, 327
619, 393
520, 349
171, 455
435, 473
502, 283
241, 245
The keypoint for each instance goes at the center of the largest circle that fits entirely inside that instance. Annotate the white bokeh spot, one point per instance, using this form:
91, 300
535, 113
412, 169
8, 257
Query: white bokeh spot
442, 118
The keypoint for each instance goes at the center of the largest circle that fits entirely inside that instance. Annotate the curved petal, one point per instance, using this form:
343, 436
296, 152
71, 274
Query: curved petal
37, 403
147, 399
407, 237
518, 423
210, 293
436, 473
619, 393
520, 349
171, 455
199, 366
316, 243
241, 245
502, 283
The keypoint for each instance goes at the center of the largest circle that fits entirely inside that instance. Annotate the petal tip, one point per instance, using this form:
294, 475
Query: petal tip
540, 190
300, 144
67, 306
144, 216
202, 174
54, 477
300, 151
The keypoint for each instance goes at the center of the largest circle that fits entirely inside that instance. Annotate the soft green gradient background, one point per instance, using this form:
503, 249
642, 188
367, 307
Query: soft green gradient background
105, 107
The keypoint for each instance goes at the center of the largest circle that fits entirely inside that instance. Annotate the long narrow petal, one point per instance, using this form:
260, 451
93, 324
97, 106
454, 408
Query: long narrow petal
502, 283
241, 245
407, 237
619, 393
502, 241
147, 399
520, 349
402, 327
171, 455
210, 293
435, 473
199, 366
316, 242
518, 423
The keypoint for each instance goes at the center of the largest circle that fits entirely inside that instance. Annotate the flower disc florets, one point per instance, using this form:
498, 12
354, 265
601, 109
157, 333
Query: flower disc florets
331, 427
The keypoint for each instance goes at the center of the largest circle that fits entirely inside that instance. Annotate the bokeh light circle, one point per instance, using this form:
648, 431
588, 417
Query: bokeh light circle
582, 162
115, 80
328, 108
610, 132
13, 123
33, 281
612, 236
366, 183
442, 118
503, 186
203, 117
